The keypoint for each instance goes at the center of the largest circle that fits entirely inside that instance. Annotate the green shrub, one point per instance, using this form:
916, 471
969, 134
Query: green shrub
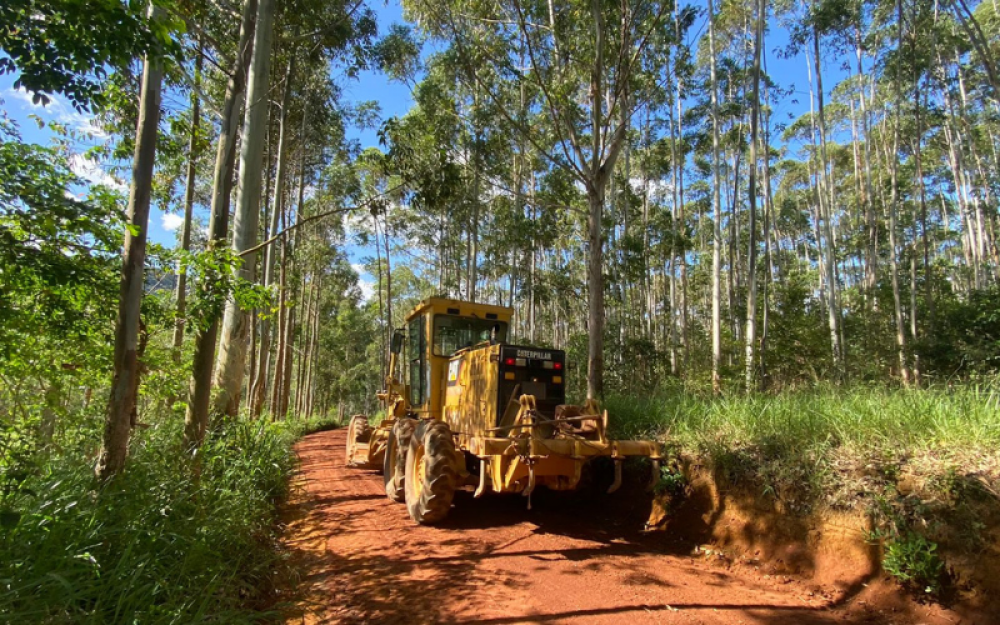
671, 482
175, 539
913, 560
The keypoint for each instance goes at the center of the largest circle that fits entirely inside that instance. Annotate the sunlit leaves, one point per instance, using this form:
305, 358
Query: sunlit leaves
69, 46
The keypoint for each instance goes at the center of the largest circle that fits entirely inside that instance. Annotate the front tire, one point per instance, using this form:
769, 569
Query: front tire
394, 463
430, 473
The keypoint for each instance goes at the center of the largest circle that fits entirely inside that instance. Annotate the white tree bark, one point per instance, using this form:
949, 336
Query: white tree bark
717, 203
236, 323
125, 385
196, 418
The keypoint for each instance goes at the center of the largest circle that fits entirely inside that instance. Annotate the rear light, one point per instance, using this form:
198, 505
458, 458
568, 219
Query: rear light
509, 362
521, 362
547, 364
509, 375
558, 365
557, 379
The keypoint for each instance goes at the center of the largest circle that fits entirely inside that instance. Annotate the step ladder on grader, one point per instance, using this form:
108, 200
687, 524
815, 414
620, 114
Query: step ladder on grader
475, 410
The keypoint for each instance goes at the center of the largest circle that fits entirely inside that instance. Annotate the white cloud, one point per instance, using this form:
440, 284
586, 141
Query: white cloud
367, 289
367, 286
171, 221
60, 111
90, 171
22, 96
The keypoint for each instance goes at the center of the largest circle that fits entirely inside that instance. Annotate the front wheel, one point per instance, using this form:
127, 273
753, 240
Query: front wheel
430, 473
394, 463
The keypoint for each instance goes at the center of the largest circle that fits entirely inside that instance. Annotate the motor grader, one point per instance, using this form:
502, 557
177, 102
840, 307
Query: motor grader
474, 410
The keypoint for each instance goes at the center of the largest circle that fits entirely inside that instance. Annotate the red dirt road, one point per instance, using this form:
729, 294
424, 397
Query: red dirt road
362, 560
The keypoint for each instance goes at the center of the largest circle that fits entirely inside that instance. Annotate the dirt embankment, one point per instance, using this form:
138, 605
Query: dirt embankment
362, 560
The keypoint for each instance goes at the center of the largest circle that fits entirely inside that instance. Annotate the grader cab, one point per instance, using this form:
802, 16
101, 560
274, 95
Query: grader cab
478, 411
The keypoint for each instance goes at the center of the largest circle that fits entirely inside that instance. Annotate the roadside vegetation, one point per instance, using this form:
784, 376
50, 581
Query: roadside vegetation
814, 443
179, 538
921, 464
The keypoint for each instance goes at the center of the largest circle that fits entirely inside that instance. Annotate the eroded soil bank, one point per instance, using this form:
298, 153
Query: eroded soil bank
361, 560
838, 549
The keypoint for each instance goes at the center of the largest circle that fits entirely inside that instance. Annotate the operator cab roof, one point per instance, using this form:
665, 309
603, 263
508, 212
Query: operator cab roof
458, 308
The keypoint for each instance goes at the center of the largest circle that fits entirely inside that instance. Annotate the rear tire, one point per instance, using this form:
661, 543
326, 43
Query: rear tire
355, 431
431, 477
394, 464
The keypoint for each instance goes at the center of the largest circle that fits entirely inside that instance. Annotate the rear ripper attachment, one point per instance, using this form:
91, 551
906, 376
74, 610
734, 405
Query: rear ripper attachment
480, 412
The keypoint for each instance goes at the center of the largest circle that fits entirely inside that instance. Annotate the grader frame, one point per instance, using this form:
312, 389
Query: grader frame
481, 412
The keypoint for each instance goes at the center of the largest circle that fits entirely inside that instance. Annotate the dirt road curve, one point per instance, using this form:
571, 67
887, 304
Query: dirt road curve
362, 560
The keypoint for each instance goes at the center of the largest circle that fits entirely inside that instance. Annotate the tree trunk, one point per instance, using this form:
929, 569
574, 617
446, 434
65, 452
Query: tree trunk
717, 202
263, 363
305, 295
595, 293
313, 350
279, 356
286, 369
826, 215
233, 347
181, 304
196, 419
751, 331
122, 402
891, 160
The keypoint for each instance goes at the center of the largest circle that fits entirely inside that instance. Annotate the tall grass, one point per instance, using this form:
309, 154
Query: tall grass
858, 416
812, 444
175, 539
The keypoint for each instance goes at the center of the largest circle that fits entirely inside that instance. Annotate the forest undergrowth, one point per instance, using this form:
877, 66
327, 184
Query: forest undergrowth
176, 538
922, 464
828, 445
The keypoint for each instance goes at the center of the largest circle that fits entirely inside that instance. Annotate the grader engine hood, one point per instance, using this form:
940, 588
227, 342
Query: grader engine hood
532, 371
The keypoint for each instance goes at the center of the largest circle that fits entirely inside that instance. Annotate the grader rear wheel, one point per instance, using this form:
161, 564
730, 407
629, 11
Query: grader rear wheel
356, 430
394, 464
430, 472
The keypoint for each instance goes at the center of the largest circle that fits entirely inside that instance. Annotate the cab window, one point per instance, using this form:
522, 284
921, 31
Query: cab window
418, 362
454, 333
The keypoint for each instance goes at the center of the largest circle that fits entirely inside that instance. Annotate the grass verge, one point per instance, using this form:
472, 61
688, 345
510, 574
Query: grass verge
923, 464
175, 539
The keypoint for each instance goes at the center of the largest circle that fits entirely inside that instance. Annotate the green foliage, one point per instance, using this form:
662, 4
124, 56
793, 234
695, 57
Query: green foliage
216, 274
177, 539
66, 46
912, 559
802, 447
58, 257
671, 482
966, 339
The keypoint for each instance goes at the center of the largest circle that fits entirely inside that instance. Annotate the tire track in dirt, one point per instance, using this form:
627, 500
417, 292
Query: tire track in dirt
362, 560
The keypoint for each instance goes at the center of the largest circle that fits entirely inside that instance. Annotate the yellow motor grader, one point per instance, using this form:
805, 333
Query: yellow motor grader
477, 411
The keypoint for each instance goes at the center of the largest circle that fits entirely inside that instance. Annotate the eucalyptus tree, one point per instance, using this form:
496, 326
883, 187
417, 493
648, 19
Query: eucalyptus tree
321, 29
189, 192
125, 385
196, 417
755, 104
235, 326
557, 51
